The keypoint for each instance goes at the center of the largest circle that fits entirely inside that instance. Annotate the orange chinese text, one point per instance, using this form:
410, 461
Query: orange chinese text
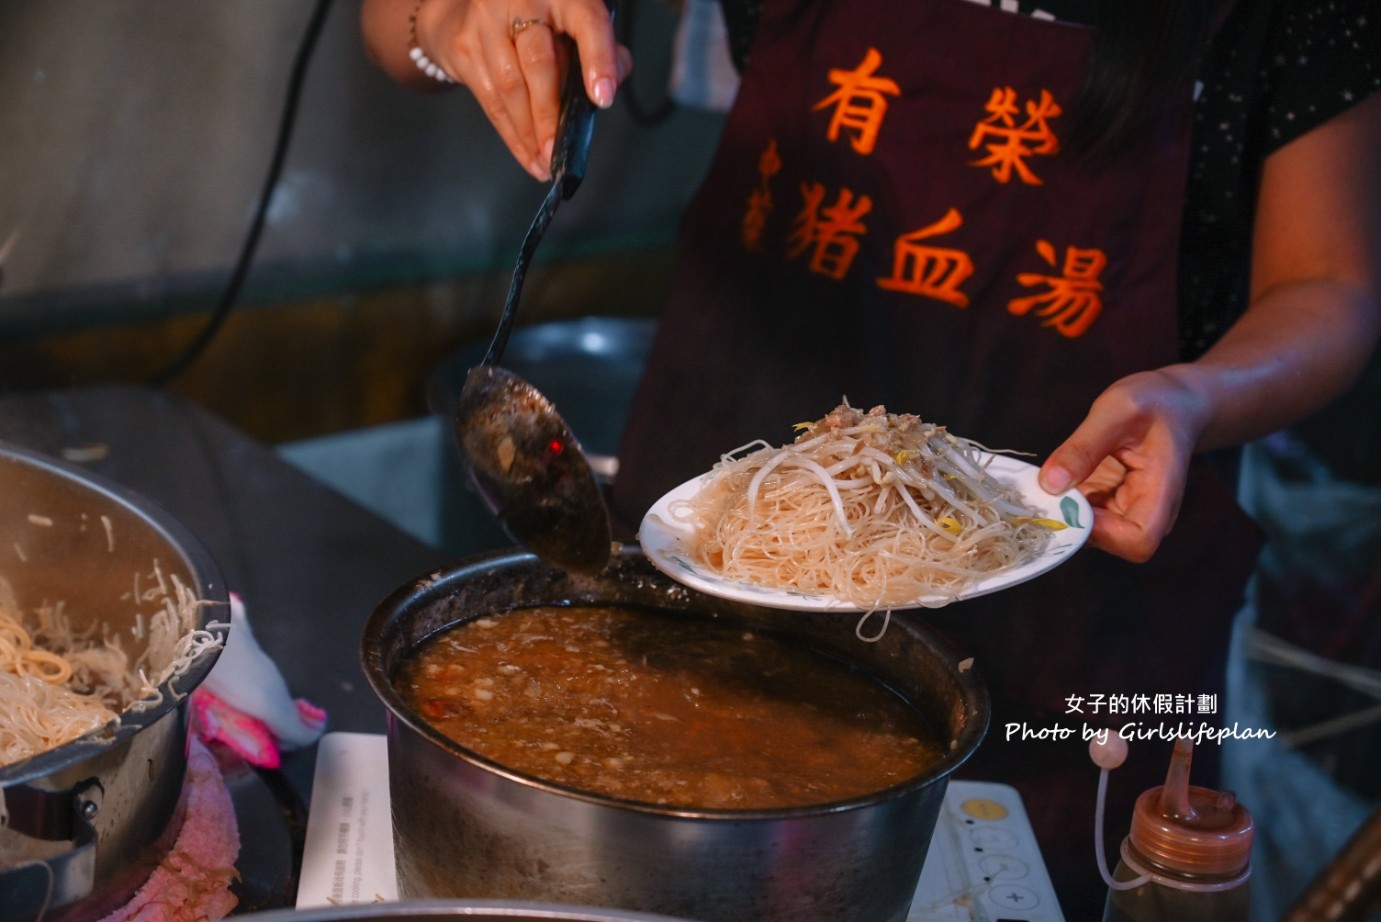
860, 103
1011, 141
930, 271
760, 199
1072, 300
830, 233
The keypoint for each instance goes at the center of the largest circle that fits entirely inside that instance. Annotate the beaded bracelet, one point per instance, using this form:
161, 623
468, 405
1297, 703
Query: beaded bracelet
419, 57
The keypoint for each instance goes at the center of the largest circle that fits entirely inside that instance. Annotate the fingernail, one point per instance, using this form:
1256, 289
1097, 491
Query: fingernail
1055, 480
604, 92
540, 170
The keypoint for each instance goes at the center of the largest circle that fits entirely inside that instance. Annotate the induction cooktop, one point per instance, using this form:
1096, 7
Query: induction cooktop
983, 865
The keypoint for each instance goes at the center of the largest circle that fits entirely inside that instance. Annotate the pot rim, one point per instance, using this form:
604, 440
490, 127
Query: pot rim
449, 909
214, 616
436, 584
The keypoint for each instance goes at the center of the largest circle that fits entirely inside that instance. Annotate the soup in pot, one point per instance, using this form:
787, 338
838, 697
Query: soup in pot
653, 708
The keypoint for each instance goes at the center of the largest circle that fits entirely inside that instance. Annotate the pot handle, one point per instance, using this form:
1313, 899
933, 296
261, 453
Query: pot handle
31, 888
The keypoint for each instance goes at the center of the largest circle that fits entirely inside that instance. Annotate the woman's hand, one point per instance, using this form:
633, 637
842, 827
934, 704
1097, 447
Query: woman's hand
1312, 323
508, 53
1129, 458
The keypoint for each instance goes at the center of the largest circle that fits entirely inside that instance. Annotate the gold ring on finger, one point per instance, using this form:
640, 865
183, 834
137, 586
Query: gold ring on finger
519, 24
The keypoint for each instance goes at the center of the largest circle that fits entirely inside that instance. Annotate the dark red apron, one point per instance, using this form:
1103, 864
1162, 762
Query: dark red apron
889, 219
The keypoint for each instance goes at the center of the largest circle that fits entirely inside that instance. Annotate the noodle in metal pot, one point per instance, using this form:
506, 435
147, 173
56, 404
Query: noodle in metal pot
40, 709
58, 684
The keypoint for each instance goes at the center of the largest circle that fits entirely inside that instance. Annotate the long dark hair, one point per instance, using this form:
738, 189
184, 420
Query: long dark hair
1145, 54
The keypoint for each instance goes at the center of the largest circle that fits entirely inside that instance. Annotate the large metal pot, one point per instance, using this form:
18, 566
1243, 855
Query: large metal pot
454, 911
465, 827
89, 820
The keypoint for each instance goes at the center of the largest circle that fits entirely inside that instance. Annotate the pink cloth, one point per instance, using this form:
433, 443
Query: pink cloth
193, 882
245, 734
244, 705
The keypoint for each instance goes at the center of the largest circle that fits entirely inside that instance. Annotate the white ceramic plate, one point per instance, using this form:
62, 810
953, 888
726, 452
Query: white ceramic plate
661, 538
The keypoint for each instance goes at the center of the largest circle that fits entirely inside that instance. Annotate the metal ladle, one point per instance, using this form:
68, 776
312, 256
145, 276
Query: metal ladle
525, 463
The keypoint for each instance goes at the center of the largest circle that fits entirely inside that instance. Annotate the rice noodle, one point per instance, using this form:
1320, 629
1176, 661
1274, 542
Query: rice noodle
39, 708
58, 684
879, 510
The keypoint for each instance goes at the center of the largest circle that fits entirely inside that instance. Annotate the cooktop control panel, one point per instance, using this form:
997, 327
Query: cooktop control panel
983, 866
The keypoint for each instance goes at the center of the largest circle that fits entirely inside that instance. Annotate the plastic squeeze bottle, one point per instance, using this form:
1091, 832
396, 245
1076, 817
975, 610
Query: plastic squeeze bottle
1187, 857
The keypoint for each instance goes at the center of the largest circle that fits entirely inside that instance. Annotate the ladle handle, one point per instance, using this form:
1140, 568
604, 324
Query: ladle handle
515, 284
575, 126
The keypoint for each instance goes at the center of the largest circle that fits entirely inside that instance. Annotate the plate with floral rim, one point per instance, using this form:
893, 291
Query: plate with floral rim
665, 541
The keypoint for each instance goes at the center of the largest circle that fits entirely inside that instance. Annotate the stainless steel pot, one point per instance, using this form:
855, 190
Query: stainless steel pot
453, 911
88, 821
465, 827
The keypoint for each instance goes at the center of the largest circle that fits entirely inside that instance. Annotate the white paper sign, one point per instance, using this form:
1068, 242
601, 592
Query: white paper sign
348, 853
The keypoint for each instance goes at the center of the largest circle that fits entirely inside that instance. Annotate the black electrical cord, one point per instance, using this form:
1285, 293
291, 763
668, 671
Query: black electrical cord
305, 49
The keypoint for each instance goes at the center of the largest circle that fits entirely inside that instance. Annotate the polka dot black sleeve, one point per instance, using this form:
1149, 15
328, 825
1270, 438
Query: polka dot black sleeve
1327, 57
1277, 69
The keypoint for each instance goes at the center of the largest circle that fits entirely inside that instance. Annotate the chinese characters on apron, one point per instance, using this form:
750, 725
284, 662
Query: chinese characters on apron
891, 219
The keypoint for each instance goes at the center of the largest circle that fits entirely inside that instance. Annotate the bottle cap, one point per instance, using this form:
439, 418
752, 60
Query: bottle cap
1191, 829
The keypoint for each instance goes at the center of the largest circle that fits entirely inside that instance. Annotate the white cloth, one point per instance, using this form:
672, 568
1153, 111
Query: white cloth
245, 678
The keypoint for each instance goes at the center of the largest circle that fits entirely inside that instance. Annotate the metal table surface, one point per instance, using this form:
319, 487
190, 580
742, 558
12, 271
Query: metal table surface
309, 563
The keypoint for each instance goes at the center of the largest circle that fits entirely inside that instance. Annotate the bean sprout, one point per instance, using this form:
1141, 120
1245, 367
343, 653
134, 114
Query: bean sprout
879, 510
